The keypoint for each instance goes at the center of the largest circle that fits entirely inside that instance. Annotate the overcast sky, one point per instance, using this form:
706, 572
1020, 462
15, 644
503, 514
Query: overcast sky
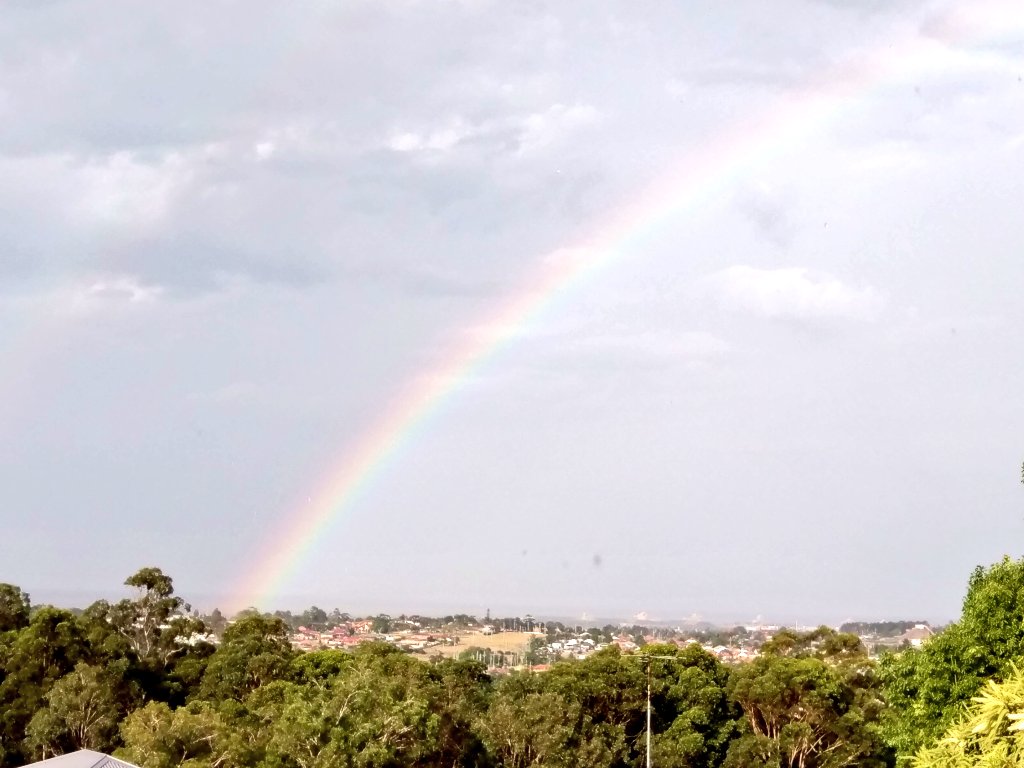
232, 233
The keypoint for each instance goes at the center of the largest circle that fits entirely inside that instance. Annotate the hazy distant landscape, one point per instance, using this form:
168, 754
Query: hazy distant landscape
157, 683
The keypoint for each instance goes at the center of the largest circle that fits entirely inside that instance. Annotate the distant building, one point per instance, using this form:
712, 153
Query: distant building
916, 635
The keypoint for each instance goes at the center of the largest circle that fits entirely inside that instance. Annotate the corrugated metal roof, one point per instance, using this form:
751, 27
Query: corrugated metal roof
83, 758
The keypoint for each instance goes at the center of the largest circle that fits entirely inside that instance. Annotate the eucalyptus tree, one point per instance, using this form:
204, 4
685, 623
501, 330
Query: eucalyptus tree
81, 712
809, 701
14, 608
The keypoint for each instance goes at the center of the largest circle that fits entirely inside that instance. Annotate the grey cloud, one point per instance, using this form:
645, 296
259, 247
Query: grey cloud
745, 73
767, 209
234, 235
868, 7
277, 138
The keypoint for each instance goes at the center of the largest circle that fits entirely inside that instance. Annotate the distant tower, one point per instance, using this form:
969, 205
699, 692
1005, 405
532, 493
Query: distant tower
488, 616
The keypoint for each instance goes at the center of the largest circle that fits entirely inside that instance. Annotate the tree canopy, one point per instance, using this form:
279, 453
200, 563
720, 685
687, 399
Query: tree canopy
928, 687
144, 679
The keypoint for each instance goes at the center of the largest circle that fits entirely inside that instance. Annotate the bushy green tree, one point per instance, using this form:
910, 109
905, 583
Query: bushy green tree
384, 708
255, 651
808, 701
593, 712
693, 719
928, 687
14, 608
32, 660
526, 726
988, 734
197, 735
81, 712
156, 621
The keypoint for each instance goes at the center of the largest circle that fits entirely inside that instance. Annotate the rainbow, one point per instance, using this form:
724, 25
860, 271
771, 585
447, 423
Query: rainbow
697, 179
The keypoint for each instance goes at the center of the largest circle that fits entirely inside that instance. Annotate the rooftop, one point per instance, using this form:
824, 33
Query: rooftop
83, 758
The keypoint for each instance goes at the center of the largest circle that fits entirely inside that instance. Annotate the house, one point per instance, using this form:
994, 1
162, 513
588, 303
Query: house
363, 627
83, 758
916, 635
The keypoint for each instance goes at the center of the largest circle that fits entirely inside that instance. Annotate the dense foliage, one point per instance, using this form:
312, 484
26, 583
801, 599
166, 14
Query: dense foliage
140, 678
928, 687
988, 734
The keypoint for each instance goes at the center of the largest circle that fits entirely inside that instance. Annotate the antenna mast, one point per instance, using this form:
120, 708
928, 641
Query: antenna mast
648, 714
647, 659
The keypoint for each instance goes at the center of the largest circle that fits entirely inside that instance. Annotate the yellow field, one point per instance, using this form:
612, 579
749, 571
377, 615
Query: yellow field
501, 641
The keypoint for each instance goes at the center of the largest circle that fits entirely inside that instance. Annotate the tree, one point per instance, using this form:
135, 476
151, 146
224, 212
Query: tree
988, 733
14, 608
81, 713
537, 651
382, 710
692, 717
152, 739
314, 617
809, 701
32, 660
461, 692
156, 620
216, 622
319, 668
927, 687
196, 735
255, 651
526, 727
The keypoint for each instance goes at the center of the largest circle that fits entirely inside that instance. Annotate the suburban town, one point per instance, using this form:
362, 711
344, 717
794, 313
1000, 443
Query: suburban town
515, 643
459, 684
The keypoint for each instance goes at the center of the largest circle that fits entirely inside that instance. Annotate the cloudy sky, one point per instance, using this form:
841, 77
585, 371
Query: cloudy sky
780, 373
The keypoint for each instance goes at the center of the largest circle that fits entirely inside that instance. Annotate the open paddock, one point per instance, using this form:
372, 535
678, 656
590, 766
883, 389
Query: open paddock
515, 642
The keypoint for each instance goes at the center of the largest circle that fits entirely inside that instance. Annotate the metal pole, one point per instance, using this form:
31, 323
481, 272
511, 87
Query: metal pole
648, 714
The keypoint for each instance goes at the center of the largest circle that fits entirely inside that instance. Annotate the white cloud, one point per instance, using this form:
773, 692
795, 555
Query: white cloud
793, 292
91, 296
110, 291
542, 128
264, 149
121, 190
437, 140
526, 133
686, 346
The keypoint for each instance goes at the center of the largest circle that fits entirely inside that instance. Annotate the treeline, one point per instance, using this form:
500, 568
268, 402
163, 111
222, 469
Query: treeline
136, 678
879, 628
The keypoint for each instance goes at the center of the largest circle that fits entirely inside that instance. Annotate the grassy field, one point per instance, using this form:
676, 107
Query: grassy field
501, 641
